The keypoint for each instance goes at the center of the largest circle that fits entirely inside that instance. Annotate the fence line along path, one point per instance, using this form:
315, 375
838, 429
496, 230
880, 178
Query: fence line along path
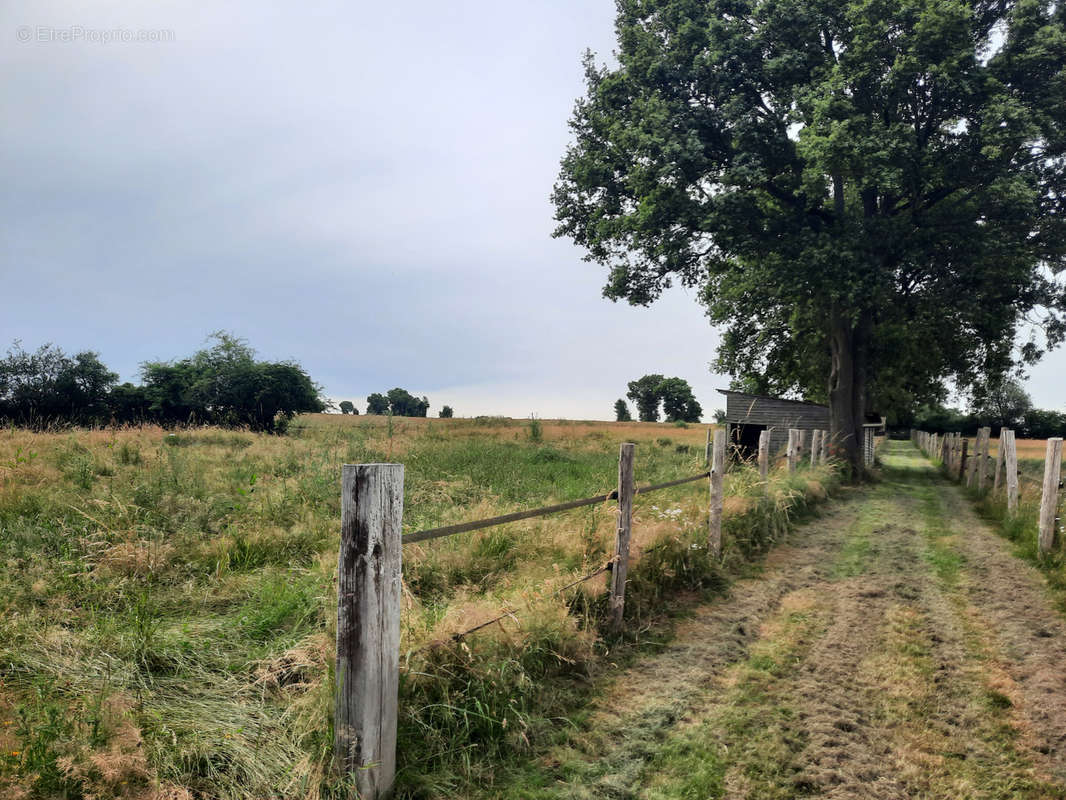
973, 468
369, 585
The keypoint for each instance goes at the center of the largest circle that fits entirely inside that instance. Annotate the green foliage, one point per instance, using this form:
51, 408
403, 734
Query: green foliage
225, 385
1001, 403
129, 404
446, 412
621, 411
403, 404
347, 407
936, 418
645, 393
377, 404
675, 395
873, 185
536, 430
279, 604
42, 725
679, 404
398, 402
1033, 423
47, 386
1043, 424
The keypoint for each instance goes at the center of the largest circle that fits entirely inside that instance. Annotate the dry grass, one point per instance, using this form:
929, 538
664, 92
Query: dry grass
167, 607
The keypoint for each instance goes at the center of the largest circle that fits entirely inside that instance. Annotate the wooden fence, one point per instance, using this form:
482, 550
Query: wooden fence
369, 589
974, 469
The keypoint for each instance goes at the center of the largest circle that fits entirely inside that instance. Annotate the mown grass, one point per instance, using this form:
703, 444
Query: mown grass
167, 603
1022, 526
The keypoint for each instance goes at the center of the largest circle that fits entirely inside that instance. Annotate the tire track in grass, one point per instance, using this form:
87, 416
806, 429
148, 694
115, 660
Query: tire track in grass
949, 735
1015, 625
650, 700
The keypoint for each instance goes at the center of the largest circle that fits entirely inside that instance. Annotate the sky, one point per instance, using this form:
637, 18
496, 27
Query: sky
361, 188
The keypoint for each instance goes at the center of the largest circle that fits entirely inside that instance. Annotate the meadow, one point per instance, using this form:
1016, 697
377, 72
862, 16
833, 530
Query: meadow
1031, 454
167, 598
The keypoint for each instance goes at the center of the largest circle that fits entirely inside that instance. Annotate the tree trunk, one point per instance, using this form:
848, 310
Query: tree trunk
847, 387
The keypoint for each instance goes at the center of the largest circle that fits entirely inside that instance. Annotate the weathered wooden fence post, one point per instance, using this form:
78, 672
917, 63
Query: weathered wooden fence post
368, 626
707, 449
1049, 499
999, 461
624, 528
945, 450
764, 454
984, 437
971, 462
816, 447
793, 437
718, 465
1010, 467
825, 447
963, 458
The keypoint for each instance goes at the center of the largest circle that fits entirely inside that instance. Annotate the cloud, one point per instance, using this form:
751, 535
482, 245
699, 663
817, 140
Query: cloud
361, 188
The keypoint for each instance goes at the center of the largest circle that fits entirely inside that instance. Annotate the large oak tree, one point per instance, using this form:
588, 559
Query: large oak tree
868, 193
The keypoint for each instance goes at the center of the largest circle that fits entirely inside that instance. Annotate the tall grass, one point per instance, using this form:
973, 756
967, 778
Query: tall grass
167, 602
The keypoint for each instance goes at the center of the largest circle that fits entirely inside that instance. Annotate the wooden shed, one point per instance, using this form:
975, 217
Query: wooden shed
748, 415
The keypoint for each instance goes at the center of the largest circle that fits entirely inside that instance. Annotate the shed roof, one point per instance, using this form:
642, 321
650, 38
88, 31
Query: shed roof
873, 420
775, 399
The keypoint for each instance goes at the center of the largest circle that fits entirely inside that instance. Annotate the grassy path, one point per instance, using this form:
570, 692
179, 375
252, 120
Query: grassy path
893, 648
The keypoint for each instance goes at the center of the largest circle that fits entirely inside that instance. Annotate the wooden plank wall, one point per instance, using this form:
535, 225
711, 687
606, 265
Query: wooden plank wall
777, 415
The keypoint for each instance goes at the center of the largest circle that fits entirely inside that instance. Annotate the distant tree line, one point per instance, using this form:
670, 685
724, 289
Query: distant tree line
398, 402
220, 385
382, 404
648, 393
1003, 404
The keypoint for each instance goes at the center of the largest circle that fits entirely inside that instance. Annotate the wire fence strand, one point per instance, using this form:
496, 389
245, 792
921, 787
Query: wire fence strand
464, 527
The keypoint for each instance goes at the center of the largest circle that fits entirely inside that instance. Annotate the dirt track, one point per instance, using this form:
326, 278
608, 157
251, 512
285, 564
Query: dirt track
893, 648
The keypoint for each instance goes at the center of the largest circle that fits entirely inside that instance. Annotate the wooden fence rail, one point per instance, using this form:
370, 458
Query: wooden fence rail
369, 591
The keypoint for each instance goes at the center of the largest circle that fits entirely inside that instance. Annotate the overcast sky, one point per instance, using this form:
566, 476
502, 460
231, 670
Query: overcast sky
361, 188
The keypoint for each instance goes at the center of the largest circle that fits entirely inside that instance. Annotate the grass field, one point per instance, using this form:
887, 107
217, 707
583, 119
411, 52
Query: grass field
1031, 454
167, 603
